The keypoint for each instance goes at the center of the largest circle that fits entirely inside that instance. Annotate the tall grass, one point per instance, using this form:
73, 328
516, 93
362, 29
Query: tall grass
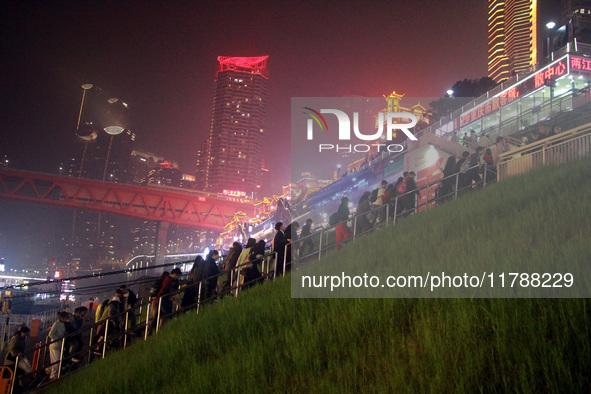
266, 341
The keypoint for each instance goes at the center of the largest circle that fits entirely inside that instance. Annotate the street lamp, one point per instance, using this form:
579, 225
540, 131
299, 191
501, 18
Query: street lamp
112, 131
550, 26
450, 93
92, 136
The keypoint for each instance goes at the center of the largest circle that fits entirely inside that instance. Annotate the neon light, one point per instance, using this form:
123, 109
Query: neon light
251, 65
578, 63
234, 193
547, 74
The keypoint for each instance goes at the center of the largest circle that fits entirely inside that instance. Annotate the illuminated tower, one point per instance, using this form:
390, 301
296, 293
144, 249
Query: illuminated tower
236, 140
512, 37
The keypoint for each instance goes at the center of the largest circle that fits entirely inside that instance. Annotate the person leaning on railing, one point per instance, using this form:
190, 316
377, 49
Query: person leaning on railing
291, 236
210, 276
342, 230
58, 331
363, 208
230, 263
242, 258
308, 244
16, 348
192, 285
251, 271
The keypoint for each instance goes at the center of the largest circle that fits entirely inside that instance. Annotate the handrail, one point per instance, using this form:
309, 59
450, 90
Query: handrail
394, 205
144, 322
567, 146
555, 139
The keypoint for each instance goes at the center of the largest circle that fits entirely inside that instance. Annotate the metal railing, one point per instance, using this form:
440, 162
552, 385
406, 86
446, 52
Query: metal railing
126, 327
411, 202
122, 329
564, 147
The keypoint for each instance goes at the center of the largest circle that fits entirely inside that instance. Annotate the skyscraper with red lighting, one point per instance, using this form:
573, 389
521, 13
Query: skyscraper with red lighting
236, 140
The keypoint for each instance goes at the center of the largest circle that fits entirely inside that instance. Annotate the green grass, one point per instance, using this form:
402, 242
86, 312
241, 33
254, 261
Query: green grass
266, 341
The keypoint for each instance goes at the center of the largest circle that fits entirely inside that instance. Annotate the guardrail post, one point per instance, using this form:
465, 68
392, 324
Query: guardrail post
395, 210
199, 297
238, 279
320, 244
147, 320
158, 314
90, 346
125, 337
274, 265
105, 337
457, 184
285, 259
59, 369
14, 375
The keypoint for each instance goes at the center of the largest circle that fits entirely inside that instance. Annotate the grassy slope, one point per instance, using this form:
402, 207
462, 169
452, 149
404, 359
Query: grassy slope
266, 341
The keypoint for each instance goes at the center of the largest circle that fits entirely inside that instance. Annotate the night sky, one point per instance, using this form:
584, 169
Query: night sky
161, 58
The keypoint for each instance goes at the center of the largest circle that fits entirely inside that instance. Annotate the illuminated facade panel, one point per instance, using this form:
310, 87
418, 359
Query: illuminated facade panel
512, 37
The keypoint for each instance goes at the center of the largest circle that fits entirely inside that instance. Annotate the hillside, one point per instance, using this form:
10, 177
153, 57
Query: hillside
266, 341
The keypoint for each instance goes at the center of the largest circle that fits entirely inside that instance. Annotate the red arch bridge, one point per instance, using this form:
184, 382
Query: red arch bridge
166, 205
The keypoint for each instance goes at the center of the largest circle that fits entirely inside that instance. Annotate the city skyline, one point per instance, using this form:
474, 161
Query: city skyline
161, 59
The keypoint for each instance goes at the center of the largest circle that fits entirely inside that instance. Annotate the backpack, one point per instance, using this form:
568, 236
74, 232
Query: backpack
402, 187
374, 196
155, 288
333, 220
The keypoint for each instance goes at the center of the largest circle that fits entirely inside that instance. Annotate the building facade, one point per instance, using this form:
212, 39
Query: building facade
236, 140
512, 37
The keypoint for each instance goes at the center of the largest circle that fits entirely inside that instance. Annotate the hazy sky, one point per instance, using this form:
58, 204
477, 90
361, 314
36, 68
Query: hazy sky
161, 58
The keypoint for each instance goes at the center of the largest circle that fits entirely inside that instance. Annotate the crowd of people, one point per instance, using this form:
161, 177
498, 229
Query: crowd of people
66, 345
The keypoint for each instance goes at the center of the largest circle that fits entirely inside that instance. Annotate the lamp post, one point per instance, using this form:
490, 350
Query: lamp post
85, 87
550, 27
112, 131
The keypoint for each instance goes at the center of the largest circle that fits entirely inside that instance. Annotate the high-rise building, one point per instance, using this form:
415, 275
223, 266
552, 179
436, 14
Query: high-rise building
201, 165
236, 139
577, 16
512, 37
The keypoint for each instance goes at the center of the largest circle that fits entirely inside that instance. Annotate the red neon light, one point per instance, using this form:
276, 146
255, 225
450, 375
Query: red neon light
254, 65
490, 106
548, 73
580, 64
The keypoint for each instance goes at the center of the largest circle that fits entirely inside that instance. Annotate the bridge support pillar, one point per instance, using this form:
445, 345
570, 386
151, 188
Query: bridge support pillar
161, 239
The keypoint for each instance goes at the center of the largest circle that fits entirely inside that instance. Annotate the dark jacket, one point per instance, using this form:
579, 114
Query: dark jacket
343, 212
232, 258
209, 274
279, 243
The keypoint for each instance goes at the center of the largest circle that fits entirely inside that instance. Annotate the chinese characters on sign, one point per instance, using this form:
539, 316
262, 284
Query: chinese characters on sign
580, 66
234, 193
547, 74
490, 106
583, 66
